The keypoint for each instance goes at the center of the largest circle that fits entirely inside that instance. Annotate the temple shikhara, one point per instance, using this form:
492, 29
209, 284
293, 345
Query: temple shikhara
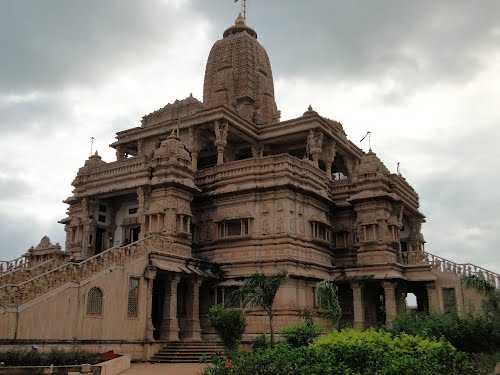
205, 193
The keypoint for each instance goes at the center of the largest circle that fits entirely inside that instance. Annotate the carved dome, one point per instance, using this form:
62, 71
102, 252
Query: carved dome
238, 74
370, 164
173, 149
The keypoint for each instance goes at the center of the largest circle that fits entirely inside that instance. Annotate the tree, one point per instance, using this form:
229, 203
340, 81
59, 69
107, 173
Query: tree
230, 325
327, 296
259, 290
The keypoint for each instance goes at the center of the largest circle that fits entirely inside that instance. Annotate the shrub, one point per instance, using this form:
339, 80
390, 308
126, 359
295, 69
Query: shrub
352, 352
261, 342
54, 357
472, 334
230, 325
301, 334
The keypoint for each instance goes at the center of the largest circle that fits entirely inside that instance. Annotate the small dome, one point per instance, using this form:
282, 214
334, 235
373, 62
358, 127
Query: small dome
172, 148
239, 75
371, 164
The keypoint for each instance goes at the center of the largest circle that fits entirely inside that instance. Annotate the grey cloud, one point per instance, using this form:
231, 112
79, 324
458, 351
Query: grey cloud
50, 44
413, 43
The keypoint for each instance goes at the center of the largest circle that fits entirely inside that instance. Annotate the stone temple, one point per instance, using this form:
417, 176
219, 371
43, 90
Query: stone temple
205, 193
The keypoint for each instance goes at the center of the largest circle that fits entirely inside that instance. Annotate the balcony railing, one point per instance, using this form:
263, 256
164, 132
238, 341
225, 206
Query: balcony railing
112, 170
303, 171
444, 265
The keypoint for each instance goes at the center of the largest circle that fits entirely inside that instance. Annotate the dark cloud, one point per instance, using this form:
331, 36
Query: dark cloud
57, 43
412, 43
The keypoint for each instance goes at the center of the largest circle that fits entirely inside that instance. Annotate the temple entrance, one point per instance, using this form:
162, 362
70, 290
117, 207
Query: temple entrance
175, 307
374, 305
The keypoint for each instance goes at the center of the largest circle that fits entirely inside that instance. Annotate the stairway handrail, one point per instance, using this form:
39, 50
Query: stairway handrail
74, 267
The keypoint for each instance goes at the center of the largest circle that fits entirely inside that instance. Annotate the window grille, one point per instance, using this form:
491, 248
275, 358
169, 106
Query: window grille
133, 297
95, 301
234, 228
320, 231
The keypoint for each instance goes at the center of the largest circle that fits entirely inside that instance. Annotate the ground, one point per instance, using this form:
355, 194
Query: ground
165, 369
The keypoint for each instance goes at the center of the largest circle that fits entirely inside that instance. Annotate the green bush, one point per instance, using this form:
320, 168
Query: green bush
261, 342
352, 352
301, 334
54, 357
230, 325
471, 334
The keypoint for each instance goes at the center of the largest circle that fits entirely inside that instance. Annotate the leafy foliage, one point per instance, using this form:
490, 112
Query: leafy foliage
302, 334
230, 325
479, 283
352, 352
472, 334
261, 342
259, 290
54, 357
327, 295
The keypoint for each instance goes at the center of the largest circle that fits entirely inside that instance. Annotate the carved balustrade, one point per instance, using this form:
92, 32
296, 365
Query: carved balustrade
275, 165
77, 272
112, 170
466, 269
19, 275
7, 266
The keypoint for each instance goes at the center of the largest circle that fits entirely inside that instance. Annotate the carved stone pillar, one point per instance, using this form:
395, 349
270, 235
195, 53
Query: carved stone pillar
120, 153
331, 152
432, 295
257, 151
391, 306
194, 333
358, 305
195, 147
149, 276
170, 323
221, 131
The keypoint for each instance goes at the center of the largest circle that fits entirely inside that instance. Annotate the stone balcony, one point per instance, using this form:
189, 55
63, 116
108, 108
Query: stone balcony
109, 177
267, 172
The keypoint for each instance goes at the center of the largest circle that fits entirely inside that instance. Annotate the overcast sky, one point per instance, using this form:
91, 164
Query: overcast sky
423, 76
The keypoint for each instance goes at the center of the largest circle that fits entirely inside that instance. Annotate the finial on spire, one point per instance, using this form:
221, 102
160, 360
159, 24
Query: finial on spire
243, 8
91, 145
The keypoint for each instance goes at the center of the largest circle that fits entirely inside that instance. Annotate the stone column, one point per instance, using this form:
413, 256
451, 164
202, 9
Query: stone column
120, 153
331, 152
358, 305
149, 276
432, 295
170, 324
221, 131
391, 307
194, 311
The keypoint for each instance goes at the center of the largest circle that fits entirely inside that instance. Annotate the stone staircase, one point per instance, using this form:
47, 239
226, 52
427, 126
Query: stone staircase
18, 294
17, 275
187, 352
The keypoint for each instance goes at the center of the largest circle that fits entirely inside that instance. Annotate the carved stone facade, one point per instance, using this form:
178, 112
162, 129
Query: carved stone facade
203, 195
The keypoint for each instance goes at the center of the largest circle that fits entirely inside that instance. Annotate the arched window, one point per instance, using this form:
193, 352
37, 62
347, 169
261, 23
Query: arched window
94, 301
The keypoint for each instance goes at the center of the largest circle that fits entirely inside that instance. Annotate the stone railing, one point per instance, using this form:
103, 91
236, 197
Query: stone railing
26, 272
7, 266
77, 272
465, 269
302, 170
112, 170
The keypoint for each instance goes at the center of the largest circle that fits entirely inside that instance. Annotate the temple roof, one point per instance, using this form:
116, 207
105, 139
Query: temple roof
239, 75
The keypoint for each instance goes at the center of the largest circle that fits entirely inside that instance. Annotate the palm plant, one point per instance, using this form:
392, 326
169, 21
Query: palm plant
259, 290
327, 296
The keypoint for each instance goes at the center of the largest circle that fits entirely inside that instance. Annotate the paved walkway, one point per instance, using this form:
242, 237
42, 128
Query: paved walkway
165, 369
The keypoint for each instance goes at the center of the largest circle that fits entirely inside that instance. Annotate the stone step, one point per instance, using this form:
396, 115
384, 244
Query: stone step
187, 352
